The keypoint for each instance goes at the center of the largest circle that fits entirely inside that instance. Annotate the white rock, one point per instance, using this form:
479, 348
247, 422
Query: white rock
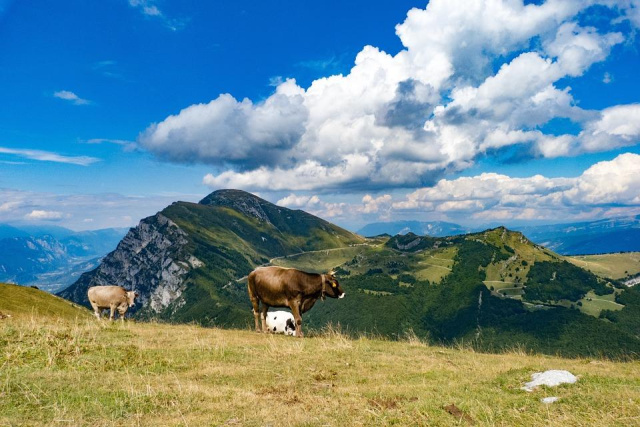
549, 400
550, 378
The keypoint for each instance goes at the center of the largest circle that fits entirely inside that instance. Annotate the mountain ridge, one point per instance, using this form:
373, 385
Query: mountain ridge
609, 235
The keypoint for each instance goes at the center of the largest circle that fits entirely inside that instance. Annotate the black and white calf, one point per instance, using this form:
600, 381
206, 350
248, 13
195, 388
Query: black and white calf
281, 322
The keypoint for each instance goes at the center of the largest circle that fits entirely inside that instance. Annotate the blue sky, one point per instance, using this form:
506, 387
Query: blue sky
473, 112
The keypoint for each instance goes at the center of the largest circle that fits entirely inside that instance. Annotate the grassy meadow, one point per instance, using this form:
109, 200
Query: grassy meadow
613, 266
87, 372
22, 301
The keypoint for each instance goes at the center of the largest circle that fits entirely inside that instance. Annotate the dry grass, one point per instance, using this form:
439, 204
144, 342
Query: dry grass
85, 372
612, 266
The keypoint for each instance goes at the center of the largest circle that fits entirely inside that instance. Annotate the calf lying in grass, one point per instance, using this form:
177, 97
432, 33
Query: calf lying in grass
281, 322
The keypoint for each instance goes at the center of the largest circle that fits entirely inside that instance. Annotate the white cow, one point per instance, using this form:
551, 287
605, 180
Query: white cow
281, 322
111, 297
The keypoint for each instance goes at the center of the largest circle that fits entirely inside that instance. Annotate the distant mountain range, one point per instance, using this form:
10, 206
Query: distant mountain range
494, 289
593, 237
51, 257
581, 238
431, 228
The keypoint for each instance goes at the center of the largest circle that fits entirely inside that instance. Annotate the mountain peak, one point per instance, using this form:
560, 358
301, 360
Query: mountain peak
241, 201
223, 196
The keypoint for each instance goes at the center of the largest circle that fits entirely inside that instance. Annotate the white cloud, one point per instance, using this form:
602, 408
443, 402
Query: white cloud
125, 144
295, 201
303, 177
148, 8
376, 204
37, 214
9, 206
494, 196
615, 127
577, 48
614, 182
105, 210
47, 156
71, 97
227, 130
405, 119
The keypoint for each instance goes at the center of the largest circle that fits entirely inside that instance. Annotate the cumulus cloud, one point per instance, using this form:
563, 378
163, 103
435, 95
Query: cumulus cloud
606, 184
230, 131
295, 201
615, 127
406, 119
71, 97
47, 156
376, 204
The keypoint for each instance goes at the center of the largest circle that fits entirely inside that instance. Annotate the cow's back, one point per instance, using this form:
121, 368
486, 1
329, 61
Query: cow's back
276, 285
276, 279
104, 296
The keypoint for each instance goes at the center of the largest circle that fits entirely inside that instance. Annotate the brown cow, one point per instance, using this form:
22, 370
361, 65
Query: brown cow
111, 297
288, 287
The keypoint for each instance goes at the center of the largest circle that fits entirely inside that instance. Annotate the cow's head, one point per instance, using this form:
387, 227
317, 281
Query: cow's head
332, 287
131, 298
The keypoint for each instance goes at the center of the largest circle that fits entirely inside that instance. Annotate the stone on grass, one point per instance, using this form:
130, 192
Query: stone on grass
550, 378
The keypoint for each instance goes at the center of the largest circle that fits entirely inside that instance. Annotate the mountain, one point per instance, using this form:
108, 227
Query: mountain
431, 228
581, 238
585, 238
184, 261
9, 231
495, 289
51, 257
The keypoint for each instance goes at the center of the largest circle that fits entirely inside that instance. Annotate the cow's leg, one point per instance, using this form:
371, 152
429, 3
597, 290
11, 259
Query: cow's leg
112, 312
255, 302
263, 316
256, 315
256, 311
295, 310
96, 309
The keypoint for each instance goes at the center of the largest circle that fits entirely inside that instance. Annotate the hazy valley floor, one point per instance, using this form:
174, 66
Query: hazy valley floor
82, 372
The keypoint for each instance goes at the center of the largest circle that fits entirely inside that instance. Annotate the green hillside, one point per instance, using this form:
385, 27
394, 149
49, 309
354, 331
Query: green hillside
21, 301
73, 373
493, 289
614, 266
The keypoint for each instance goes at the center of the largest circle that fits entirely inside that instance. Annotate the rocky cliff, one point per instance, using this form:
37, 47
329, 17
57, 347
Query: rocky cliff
151, 259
